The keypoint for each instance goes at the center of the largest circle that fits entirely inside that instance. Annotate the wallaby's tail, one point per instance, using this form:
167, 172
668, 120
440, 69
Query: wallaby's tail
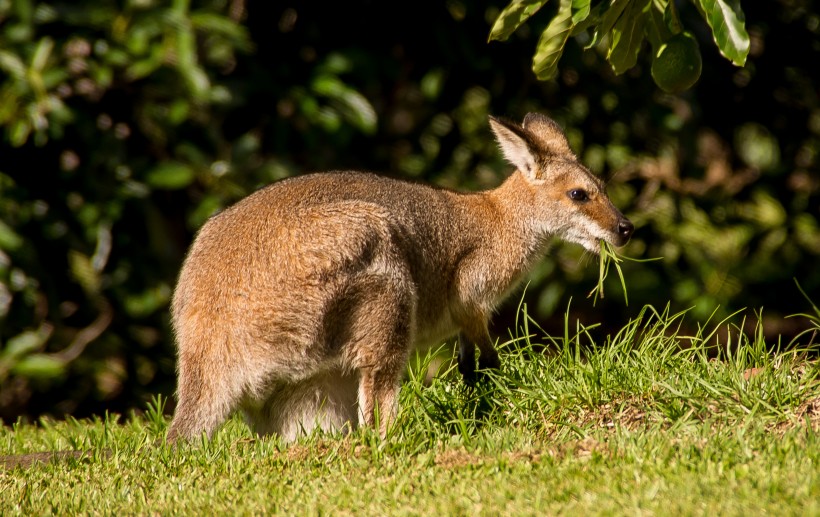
209, 384
199, 411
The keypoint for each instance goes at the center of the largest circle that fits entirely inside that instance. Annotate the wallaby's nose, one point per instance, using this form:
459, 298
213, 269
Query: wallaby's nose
625, 229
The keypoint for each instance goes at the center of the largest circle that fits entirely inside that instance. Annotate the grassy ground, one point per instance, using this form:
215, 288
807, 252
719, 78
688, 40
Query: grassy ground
648, 422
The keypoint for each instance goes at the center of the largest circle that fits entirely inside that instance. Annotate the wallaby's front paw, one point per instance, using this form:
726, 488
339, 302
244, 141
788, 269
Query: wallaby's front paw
468, 373
466, 364
489, 361
467, 367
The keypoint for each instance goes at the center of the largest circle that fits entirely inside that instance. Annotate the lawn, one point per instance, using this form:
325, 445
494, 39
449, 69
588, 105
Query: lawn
649, 421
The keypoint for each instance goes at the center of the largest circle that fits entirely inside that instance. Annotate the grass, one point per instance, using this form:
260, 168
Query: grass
608, 257
649, 422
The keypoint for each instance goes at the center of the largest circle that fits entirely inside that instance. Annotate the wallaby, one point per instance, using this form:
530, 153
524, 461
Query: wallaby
301, 303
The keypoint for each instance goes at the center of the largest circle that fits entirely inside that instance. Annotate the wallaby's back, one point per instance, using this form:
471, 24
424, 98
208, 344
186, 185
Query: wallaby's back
307, 232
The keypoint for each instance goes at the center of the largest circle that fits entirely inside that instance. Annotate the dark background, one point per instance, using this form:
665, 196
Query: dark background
126, 124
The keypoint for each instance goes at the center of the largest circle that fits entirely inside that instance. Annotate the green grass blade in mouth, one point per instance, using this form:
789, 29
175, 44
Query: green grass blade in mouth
608, 256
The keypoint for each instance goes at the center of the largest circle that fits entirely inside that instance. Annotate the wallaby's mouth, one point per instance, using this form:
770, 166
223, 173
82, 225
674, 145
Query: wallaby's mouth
591, 239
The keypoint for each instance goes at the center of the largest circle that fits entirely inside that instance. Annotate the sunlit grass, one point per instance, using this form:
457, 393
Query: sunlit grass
814, 321
653, 419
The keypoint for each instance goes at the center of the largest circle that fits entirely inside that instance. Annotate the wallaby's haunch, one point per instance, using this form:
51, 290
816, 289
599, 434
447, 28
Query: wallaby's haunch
301, 303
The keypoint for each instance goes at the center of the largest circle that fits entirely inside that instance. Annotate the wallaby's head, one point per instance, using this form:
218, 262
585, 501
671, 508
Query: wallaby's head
570, 201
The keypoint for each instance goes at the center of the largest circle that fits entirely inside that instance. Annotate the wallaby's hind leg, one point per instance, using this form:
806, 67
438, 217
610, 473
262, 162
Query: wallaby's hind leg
382, 345
379, 397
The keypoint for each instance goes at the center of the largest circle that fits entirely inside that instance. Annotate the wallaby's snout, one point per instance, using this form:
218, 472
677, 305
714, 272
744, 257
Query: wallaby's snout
301, 303
625, 229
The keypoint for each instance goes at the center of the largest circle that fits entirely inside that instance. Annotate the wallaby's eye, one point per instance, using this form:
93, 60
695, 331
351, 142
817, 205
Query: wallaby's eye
578, 194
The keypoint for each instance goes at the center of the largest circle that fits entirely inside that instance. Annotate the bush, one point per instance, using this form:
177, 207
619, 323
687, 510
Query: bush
125, 125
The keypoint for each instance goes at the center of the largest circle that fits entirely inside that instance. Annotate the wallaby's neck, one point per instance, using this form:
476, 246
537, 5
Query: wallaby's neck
513, 235
514, 200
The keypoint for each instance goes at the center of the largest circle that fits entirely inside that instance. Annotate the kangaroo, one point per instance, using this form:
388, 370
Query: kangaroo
300, 304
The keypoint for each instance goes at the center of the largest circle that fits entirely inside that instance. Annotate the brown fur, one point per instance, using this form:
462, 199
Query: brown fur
300, 304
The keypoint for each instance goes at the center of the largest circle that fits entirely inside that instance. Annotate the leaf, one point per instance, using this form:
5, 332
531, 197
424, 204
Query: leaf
659, 28
209, 23
350, 104
12, 65
432, 83
727, 21
19, 132
41, 54
670, 17
170, 176
356, 109
610, 16
9, 239
580, 11
335, 64
139, 305
83, 272
40, 366
627, 36
187, 63
552, 41
144, 67
26, 342
515, 14
592, 18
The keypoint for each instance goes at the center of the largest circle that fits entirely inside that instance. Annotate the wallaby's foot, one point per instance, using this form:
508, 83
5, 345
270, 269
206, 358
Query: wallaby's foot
470, 376
466, 362
488, 360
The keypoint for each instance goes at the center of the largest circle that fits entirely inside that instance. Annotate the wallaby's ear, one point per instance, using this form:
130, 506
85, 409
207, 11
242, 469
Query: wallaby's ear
516, 146
548, 134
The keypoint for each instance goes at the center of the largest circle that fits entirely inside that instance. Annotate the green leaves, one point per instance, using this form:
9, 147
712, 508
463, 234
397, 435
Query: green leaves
21, 355
26, 342
170, 176
610, 15
41, 70
39, 366
728, 28
512, 17
28, 103
550, 46
571, 14
552, 41
627, 36
622, 26
9, 239
345, 102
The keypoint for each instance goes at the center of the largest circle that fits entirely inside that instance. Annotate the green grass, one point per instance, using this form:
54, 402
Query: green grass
648, 422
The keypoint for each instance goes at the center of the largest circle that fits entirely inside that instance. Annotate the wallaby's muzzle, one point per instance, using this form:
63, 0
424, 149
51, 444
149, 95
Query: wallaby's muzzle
625, 229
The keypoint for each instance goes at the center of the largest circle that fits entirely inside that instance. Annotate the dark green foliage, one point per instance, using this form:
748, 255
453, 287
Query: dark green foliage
126, 124
621, 26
